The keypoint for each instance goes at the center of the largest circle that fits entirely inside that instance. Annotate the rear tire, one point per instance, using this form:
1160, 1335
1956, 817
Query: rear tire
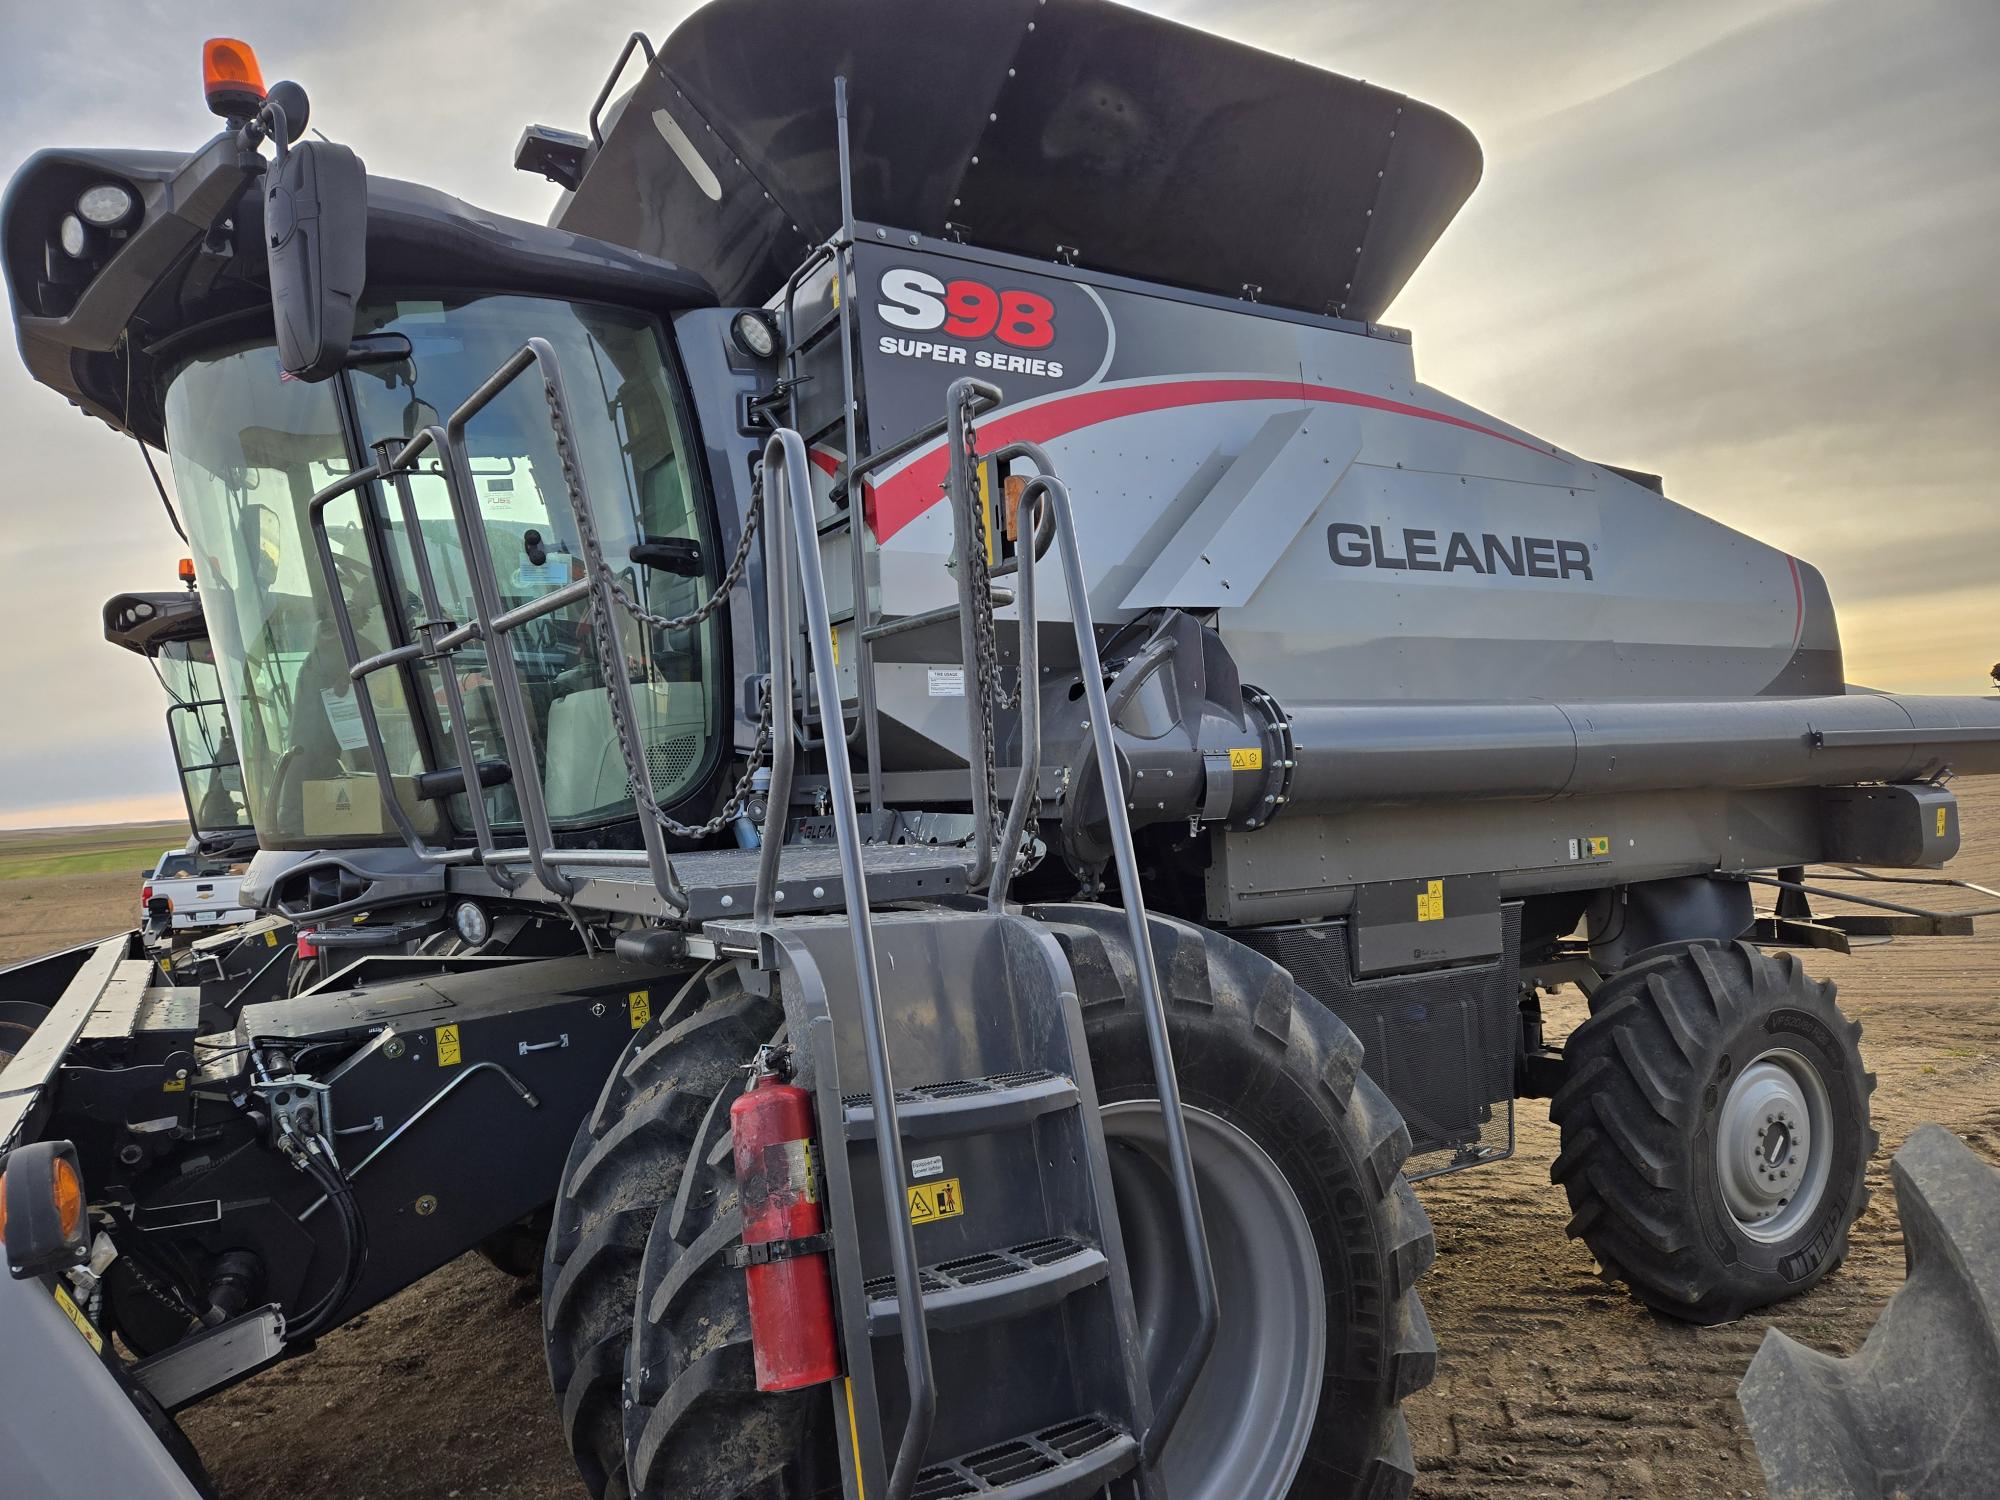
625, 1163
1715, 1130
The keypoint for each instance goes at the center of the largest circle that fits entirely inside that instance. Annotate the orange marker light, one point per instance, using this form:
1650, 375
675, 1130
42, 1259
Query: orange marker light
68, 1192
187, 571
231, 81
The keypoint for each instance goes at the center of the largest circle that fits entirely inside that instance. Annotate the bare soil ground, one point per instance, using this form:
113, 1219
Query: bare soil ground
1551, 1381
45, 912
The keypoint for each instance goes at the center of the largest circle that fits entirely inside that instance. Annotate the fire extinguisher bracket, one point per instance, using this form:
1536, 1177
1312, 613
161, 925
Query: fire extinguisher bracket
742, 1257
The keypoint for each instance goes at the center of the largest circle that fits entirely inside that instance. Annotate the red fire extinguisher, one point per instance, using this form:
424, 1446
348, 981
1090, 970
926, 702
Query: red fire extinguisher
784, 1250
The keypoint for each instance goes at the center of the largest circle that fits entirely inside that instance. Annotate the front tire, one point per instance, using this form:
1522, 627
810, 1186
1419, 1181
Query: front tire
626, 1163
1317, 1239
1715, 1130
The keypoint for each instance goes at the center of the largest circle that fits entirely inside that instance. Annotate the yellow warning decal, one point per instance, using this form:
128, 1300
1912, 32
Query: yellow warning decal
931, 1201
1598, 846
82, 1323
448, 1054
1940, 822
166, 965
1430, 902
1246, 760
640, 1005
174, 1086
835, 633
271, 938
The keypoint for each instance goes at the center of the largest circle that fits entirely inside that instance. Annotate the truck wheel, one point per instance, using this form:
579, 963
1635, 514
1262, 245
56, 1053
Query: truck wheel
1317, 1239
625, 1162
1714, 1130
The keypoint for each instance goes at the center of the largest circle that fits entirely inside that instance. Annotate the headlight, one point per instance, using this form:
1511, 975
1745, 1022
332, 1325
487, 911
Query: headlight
471, 921
755, 334
73, 237
107, 205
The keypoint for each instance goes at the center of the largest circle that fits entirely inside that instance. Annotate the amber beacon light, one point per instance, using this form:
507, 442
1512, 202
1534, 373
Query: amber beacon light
231, 81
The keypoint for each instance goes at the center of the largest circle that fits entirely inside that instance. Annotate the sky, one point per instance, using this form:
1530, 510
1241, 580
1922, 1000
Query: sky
1744, 244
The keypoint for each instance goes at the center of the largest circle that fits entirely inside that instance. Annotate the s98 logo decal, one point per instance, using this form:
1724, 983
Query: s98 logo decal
966, 309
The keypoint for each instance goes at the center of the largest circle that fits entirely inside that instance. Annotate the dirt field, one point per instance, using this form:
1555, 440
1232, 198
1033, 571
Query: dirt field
1551, 1382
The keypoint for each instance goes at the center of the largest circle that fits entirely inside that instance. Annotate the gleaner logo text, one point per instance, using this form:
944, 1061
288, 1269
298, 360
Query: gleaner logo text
1416, 550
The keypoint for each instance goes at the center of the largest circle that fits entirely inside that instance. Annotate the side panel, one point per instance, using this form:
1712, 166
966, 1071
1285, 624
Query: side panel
1304, 866
1357, 535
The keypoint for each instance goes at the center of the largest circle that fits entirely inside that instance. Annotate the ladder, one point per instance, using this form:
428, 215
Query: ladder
1012, 1093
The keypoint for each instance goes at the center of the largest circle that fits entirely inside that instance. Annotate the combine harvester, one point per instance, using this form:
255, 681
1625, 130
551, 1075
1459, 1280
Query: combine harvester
170, 633
911, 717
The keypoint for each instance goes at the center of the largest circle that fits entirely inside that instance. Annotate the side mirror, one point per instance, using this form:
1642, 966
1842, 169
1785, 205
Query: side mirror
316, 234
670, 554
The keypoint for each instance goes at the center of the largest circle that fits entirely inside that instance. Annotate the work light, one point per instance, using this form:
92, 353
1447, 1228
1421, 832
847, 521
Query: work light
73, 237
755, 334
107, 205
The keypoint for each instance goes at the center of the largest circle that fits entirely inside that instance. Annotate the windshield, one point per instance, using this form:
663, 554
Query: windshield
250, 449
204, 748
637, 452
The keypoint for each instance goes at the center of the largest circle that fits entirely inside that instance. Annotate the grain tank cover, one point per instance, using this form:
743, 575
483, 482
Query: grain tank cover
1151, 149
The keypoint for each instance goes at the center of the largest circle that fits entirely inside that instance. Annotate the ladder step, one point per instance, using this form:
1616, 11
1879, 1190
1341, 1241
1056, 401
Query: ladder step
1064, 1462
966, 1106
991, 1287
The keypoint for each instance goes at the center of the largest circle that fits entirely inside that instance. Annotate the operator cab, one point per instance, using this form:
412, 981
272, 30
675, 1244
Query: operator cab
170, 631
163, 326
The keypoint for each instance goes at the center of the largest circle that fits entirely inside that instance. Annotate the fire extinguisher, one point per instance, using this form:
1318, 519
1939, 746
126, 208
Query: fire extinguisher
784, 1249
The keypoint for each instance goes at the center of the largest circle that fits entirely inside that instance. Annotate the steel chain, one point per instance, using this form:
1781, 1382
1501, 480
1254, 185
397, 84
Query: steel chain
610, 656
986, 647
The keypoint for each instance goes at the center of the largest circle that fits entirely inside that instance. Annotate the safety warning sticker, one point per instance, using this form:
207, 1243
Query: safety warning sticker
931, 1201
448, 1053
83, 1324
1430, 902
639, 1004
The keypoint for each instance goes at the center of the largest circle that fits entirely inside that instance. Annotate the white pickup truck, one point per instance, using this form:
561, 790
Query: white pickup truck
197, 892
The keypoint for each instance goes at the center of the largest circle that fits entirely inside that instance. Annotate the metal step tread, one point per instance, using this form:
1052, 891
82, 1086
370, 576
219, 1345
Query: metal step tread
966, 1106
1070, 1459
989, 1287
722, 883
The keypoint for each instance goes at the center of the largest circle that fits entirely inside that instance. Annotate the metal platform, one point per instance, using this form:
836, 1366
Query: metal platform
722, 883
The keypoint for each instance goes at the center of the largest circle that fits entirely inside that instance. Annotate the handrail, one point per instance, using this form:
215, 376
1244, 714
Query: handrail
1046, 486
350, 645
791, 531
636, 39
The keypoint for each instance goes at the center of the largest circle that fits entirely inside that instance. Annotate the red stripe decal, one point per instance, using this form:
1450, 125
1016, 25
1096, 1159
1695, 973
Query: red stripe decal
902, 497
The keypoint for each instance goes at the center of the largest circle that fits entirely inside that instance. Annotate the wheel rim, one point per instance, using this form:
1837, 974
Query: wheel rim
1774, 1145
1244, 1430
